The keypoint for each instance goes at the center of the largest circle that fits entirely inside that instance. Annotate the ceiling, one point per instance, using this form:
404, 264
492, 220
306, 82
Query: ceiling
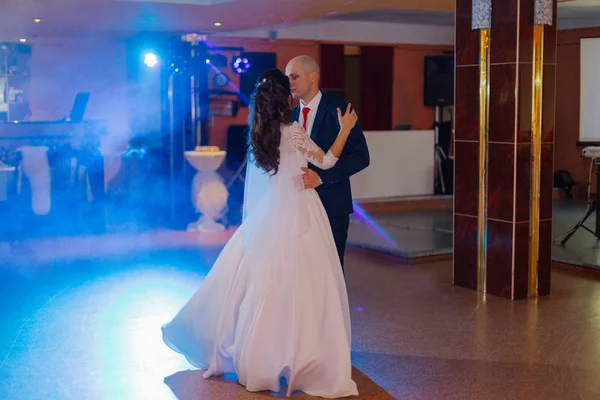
568, 9
64, 18
80, 17
579, 9
401, 16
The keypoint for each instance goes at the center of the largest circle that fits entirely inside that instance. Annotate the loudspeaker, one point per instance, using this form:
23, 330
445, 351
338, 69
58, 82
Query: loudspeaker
439, 81
259, 62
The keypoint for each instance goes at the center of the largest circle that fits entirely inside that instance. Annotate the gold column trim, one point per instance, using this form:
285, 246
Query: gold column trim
536, 150
484, 95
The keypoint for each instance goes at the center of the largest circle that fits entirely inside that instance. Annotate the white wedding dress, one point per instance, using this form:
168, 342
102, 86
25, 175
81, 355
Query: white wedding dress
274, 303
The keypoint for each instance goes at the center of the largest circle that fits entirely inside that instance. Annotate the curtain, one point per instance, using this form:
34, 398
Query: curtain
376, 80
332, 66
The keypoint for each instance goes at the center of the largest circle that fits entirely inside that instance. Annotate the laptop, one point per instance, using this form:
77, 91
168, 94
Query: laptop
79, 107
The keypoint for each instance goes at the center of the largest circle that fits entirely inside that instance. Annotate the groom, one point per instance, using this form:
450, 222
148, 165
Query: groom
318, 115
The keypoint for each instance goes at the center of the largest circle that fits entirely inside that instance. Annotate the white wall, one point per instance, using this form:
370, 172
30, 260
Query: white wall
356, 32
589, 118
402, 165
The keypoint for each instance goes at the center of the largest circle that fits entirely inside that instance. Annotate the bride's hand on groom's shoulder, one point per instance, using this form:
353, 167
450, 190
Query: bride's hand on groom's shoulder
348, 120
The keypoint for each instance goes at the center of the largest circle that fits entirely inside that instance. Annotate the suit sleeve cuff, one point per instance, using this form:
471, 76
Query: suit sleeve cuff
323, 178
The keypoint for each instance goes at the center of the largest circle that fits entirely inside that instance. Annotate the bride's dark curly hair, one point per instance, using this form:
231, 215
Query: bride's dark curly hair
270, 107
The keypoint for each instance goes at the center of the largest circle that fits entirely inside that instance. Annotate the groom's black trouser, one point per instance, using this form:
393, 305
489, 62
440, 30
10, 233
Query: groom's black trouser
339, 228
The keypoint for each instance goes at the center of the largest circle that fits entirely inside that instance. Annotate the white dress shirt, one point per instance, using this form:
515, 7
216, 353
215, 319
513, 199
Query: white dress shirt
313, 106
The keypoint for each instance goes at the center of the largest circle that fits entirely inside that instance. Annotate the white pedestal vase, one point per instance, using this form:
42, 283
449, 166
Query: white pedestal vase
209, 193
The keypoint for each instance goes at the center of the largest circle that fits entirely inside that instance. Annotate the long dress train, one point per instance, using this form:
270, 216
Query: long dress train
274, 303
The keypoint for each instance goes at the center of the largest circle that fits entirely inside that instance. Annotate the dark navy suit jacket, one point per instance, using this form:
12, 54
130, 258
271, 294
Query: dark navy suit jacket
335, 192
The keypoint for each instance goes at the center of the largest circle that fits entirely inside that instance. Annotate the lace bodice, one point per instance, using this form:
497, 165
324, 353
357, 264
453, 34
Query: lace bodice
312, 153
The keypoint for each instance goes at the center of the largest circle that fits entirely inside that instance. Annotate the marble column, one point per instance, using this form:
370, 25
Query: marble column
502, 229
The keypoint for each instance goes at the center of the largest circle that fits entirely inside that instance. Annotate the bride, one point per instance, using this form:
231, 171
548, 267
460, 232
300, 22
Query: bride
274, 305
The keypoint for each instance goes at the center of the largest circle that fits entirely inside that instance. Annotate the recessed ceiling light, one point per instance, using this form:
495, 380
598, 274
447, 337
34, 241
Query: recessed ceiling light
217, 23
37, 20
22, 40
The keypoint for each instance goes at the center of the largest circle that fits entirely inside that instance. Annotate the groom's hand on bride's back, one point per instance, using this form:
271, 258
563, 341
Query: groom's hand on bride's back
310, 178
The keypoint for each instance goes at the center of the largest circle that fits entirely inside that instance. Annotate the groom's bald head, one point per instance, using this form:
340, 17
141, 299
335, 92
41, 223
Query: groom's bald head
307, 63
304, 73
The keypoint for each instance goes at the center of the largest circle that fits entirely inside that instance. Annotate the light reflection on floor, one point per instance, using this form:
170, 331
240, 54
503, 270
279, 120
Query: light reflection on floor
106, 324
77, 329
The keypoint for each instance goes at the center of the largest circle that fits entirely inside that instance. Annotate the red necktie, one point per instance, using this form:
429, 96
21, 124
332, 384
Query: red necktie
305, 112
